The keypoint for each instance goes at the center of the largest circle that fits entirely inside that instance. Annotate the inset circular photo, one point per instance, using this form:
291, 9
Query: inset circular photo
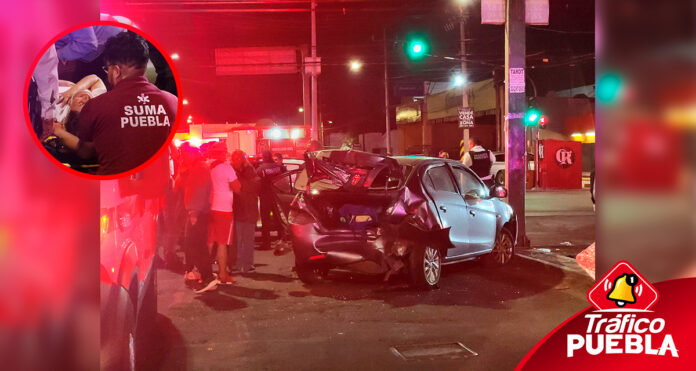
102, 100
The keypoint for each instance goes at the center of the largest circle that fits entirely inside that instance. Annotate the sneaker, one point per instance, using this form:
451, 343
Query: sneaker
211, 285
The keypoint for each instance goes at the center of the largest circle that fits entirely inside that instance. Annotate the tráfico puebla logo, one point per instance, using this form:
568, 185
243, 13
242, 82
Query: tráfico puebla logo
622, 322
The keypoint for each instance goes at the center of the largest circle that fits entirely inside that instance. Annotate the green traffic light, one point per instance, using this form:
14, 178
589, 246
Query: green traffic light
416, 47
531, 117
609, 88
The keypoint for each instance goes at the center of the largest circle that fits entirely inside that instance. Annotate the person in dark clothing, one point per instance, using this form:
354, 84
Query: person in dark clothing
270, 216
480, 160
126, 126
197, 187
278, 158
246, 212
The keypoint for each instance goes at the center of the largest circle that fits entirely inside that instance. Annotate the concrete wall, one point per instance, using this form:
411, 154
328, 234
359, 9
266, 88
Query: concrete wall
368, 142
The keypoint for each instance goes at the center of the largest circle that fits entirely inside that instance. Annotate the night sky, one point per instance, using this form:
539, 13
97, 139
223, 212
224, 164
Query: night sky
350, 29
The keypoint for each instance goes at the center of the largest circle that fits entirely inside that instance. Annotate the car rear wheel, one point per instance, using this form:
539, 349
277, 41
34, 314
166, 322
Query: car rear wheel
425, 267
503, 250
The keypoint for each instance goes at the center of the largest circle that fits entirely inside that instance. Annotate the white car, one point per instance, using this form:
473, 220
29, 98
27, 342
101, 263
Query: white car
498, 167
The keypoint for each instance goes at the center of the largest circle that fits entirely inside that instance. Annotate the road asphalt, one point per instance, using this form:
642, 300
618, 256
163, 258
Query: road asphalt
479, 319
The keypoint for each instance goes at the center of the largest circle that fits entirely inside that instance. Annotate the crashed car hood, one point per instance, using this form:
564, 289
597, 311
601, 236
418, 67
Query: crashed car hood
349, 170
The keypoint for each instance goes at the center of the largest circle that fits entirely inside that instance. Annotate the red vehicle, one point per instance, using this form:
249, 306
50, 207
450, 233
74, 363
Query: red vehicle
290, 141
128, 209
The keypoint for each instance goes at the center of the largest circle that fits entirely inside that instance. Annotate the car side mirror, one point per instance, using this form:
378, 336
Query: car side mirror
499, 192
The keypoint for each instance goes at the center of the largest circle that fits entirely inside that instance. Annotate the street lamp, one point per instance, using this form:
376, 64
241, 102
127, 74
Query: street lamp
458, 80
355, 65
301, 109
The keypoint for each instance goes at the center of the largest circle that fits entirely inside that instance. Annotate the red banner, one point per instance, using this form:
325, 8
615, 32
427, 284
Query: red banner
630, 327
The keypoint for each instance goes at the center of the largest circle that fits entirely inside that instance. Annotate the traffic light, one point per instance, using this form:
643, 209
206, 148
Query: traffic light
416, 47
542, 122
532, 116
609, 88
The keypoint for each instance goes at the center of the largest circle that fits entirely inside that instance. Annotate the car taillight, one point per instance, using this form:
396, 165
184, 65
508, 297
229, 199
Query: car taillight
317, 257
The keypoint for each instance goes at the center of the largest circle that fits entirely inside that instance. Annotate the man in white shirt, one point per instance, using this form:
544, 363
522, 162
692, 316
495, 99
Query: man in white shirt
224, 183
480, 160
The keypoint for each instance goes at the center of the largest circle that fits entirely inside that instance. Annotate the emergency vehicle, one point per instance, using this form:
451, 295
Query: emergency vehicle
290, 141
129, 208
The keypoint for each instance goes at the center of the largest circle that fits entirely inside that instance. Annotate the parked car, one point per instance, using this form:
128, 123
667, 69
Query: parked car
386, 215
498, 167
128, 215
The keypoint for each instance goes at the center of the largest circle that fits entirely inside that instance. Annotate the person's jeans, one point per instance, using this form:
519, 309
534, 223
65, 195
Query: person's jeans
171, 222
195, 246
244, 238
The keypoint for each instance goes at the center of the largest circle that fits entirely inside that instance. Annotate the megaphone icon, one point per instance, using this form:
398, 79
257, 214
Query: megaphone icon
622, 292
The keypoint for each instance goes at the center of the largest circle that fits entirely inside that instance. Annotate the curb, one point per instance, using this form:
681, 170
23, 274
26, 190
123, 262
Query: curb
555, 260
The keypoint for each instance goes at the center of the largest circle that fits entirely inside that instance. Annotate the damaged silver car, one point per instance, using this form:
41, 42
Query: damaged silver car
387, 215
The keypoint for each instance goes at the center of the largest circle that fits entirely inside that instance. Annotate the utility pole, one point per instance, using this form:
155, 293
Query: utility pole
424, 112
515, 106
462, 56
306, 90
315, 72
386, 95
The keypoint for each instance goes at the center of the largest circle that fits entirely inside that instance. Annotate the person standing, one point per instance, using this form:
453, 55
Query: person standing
246, 211
220, 231
278, 158
270, 218
480, 160
196, 184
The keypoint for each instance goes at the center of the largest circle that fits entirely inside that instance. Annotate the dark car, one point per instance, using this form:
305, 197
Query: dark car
386, 215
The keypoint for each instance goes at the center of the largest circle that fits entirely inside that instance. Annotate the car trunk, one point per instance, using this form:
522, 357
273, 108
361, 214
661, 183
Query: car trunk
350, 190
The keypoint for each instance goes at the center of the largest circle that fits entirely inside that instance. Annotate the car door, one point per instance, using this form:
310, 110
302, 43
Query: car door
450, 207
480, 211
284, 187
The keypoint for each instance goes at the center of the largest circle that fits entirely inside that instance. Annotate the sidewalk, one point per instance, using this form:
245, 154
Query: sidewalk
575, 202
560, 224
